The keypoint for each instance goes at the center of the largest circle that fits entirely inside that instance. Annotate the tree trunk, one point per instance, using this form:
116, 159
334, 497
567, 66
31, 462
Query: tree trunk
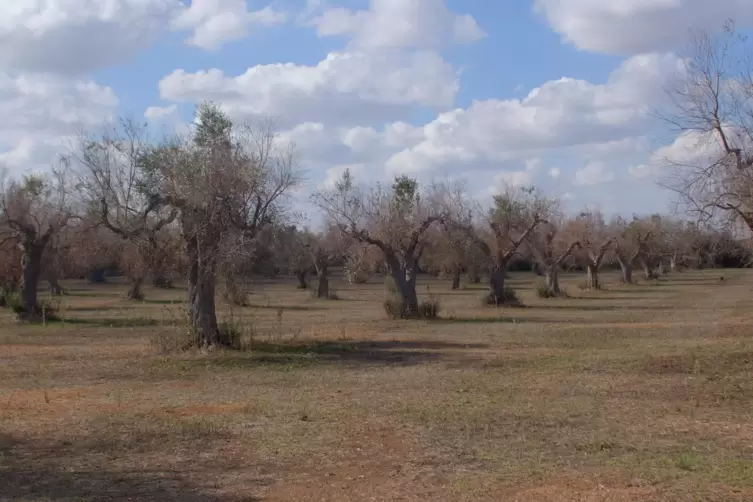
134, 291
322, 289
201, 293
55, 287
647, 271
592, 278
553, 280
497, 286
31, 263
302, 283
456, 278
673, 263
627, 272
406, 287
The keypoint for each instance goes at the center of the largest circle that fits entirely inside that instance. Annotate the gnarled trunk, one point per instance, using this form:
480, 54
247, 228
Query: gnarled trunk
31, 263
497, 285
134, 290
673, 263
55, 287
592, 277
627, 271
322, 289
456, 278
201, 292
302, 283
553, 280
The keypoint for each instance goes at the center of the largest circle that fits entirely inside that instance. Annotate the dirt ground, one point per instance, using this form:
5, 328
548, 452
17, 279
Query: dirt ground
637, 392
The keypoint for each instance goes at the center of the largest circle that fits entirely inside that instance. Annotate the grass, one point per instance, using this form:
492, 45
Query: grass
631, 393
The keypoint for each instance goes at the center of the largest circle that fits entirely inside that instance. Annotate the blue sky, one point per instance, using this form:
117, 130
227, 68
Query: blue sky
554, 93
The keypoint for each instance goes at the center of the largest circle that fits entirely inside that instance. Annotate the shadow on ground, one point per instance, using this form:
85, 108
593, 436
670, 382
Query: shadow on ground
53, 471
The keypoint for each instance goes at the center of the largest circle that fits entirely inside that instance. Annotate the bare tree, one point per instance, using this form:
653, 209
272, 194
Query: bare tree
394, 220
325, 249
221, 178
713, 108
514, 216
114, 187
590, 230
550, 247
32, 211
630, 242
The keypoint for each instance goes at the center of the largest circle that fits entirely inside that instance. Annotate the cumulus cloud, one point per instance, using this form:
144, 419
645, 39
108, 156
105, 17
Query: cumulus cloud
559, 114
345, 87
396, 24
594, 173
635, 26
42, 113
76, 36
689, 149
216, 22
521, 178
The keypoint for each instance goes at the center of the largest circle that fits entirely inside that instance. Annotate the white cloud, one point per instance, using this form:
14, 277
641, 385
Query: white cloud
393, 24
687, 150
593, 174
517, 178
76, 36
635, 26
216, 22
344, 88
555, 172
160, 112
333, 174
559, 114
41, 114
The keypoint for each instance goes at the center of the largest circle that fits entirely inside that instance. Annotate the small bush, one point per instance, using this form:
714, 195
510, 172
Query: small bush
429, 309
390, 285
46, 310
510, 299
394, 307
543, 291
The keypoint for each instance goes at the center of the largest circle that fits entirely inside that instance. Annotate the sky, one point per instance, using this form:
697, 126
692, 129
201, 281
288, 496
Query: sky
552, 93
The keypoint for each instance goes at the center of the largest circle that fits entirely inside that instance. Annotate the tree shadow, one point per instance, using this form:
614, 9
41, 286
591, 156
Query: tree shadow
392, 352
51, 471
115, 322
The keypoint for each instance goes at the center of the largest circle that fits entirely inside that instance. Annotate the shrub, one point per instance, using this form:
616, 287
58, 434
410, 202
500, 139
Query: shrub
394, 307
510, 299
543, 291
429, 309
390, 285
46, 310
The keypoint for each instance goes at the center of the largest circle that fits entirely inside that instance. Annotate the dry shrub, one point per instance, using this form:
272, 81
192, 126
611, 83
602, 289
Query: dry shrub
511, 299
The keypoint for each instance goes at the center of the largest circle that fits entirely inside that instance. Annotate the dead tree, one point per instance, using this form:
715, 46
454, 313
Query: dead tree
514, 216
221, 178
32, 211
394, 220
589, 229
550, 250
713, 108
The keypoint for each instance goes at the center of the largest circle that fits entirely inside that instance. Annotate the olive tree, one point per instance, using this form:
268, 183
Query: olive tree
593, 234
550, 247
513, 217
32, 211
219, 179
120, 197
393, 219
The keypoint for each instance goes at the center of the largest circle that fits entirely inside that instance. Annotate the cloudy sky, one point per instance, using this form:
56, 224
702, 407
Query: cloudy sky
555, 93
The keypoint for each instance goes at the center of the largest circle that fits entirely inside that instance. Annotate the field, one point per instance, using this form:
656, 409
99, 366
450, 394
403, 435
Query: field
638, 392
